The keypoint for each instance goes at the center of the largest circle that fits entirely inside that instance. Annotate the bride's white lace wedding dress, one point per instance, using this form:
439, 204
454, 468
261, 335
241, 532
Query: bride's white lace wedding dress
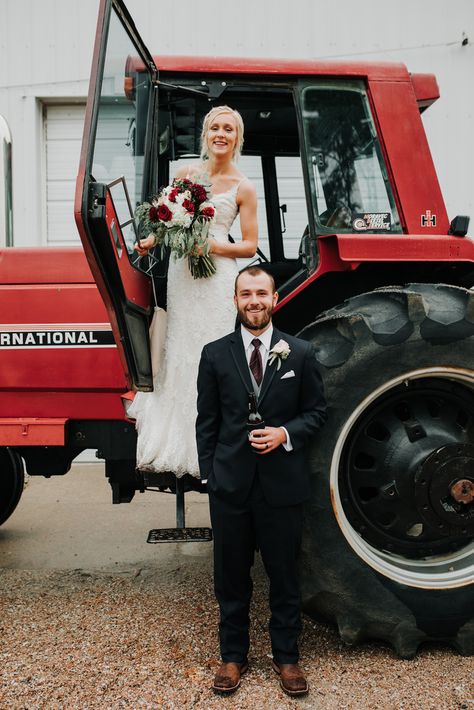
199, 311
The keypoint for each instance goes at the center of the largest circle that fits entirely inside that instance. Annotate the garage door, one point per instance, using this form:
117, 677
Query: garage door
63, 135
63, 126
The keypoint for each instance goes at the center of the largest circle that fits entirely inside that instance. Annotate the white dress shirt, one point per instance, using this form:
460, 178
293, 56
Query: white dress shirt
266, 341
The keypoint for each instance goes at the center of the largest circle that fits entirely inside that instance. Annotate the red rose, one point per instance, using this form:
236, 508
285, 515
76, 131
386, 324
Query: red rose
173, 195
199, 193
208, 212
164, 213
153, 214
188, 206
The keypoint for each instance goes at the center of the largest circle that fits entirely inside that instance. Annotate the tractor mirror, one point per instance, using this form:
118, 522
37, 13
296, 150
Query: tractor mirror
459, 225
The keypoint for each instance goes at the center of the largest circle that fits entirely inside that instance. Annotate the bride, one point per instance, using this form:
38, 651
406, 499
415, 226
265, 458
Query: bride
199, 310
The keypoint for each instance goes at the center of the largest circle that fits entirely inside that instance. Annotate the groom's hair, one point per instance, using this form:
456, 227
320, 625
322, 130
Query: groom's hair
255, 271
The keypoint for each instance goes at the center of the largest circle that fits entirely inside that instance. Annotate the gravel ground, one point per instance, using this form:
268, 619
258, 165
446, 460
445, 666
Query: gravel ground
145, 637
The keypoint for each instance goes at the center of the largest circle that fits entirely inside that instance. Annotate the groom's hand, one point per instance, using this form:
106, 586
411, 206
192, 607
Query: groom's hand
268, 439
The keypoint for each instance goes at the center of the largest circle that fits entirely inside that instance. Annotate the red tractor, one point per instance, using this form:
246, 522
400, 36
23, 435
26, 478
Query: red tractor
369, 268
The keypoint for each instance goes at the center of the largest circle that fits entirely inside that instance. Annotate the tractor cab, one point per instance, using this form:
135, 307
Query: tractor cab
328, 145
312, 147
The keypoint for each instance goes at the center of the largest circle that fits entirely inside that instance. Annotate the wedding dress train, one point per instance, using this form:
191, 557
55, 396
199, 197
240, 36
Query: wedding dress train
199, 311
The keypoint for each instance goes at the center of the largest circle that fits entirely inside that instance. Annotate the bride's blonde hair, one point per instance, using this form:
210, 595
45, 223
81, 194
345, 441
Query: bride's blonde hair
209, 117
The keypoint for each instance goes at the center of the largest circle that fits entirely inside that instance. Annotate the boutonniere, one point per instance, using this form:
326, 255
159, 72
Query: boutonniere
279, 352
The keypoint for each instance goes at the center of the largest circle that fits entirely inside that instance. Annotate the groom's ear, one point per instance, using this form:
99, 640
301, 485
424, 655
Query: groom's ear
275, 298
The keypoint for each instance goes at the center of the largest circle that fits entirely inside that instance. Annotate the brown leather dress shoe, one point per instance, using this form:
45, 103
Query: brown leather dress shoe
227, 678
292, 678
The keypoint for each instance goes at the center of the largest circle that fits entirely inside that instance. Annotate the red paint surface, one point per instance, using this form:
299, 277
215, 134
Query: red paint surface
70, 405
426, 89
38, 265
345, 252
44, 287
418, 247
409, 157
32, 432
287, 67
136, 285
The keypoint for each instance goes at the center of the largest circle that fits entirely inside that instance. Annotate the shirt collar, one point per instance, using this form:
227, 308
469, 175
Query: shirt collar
265, 337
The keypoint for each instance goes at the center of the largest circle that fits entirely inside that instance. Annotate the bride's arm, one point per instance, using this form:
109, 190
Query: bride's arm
247, 202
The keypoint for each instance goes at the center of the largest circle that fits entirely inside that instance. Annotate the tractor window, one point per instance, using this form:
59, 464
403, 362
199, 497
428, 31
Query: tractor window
291, 194
121, 123
349, 180
251, 166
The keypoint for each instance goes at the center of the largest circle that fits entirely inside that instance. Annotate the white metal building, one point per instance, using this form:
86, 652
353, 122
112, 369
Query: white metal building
46, 51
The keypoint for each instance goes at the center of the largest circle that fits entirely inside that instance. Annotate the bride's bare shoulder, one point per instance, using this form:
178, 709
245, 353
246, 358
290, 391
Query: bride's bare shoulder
246, 188
190, 170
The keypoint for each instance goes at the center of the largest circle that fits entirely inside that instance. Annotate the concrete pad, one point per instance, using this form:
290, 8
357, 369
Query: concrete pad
69, 522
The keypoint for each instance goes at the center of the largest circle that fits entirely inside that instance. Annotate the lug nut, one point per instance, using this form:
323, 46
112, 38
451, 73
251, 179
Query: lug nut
463, 491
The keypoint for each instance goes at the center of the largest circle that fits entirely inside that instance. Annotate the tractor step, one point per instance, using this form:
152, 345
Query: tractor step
180, 535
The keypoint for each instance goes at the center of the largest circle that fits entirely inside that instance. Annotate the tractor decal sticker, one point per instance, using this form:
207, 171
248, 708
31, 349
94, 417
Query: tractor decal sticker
428, 219
372, 222
57, 335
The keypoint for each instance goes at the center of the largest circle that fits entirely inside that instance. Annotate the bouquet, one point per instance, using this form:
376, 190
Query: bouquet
179, 218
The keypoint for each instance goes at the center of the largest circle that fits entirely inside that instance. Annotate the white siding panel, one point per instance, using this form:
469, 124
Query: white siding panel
64, 123
59, 190
46, 52
61, 157
63, 138
61, 226
42, 56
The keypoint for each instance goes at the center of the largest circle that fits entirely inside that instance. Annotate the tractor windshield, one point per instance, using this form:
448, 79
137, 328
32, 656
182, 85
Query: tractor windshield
118, 151
349, 180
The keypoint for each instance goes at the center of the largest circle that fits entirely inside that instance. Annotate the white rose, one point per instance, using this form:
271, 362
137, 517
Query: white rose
279, 352
281, 349
181, 217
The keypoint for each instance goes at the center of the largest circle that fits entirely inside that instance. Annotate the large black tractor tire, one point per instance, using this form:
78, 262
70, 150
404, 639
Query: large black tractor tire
12, 481
388, 547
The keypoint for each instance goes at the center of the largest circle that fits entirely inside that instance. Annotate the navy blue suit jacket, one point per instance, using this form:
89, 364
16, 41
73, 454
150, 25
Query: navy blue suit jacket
226, 458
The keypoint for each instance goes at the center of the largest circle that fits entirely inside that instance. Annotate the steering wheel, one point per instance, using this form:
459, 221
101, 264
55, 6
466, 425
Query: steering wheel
340, 217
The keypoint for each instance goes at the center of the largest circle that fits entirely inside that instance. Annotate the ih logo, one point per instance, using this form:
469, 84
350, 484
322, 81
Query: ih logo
428, 219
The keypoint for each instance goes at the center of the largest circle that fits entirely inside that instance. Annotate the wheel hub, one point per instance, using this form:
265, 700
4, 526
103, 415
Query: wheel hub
407, 474
444, 490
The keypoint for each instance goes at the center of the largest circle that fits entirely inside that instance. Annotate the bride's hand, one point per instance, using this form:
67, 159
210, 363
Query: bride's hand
212, 243
200, 252
143, 246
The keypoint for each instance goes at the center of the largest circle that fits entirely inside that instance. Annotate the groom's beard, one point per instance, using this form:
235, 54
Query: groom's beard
255, 319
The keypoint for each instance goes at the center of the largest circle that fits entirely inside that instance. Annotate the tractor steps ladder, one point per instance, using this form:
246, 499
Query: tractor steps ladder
180, 533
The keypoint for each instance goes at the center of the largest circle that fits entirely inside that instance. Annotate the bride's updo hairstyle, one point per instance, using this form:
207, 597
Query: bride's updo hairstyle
209, 118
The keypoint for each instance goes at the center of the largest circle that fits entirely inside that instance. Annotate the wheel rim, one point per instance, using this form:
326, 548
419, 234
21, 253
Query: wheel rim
392, 485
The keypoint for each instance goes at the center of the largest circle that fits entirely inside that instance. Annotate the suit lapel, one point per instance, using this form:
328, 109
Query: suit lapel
238, 353
270, 369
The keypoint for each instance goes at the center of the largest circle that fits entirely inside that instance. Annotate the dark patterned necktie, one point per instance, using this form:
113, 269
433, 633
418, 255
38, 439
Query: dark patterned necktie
256, 366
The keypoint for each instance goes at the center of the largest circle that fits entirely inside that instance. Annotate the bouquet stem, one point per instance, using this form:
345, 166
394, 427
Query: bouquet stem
201, 267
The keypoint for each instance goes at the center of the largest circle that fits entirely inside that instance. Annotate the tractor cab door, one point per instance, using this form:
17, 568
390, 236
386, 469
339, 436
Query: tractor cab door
117, 171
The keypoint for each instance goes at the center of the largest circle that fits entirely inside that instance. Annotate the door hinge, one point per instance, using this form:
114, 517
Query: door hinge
97, 194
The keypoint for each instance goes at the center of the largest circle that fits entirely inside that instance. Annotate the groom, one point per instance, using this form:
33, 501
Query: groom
257, 483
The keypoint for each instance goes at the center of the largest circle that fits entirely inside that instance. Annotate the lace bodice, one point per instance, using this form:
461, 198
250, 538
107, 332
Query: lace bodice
226, 212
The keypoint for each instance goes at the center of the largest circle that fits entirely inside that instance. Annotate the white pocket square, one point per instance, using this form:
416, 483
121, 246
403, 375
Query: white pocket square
290, 373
